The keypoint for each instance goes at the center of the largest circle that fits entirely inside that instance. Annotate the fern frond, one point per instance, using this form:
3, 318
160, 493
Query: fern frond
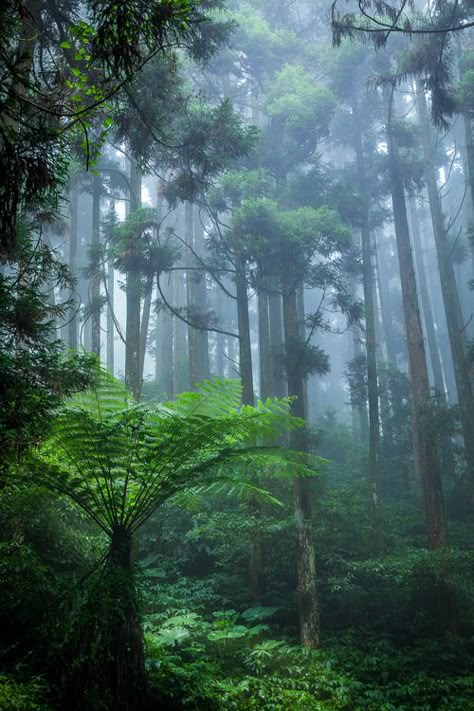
195, 497
120, 461
213, 398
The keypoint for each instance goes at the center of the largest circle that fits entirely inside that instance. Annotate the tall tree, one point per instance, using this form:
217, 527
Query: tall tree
133, 294
450, 292
426, 453
370, 328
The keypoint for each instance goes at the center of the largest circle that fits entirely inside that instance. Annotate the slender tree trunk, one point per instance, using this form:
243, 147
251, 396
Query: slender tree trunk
255, 566
360, 418
266, 385
446, 448
96, 277
220, 304
276, 341
308, 603
190, 296
132, 327
180, 364
245, 351
300, 315
84, 246
144, 326
110, 316
450, 294
257, 553
164, 347
73, 240
425, 449
469, 164
425, 300
370, 331
387, 317
200, 296
360, 408
351, 352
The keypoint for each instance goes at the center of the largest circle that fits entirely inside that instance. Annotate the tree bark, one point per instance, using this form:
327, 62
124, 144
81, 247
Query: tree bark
110, 316
180, 364
370, 329
276, 341
201, 302
73, 240
164, 348
425, 300
387, 316
450, 294
96, 277
190, 296
144, 326
425, 449
266, 385
308, 604
133, 301
360, 408
245, 350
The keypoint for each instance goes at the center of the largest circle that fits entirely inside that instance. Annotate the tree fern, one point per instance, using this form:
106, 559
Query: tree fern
120, 461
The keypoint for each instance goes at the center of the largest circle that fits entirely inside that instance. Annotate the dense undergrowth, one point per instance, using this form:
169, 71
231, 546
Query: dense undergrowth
208, 645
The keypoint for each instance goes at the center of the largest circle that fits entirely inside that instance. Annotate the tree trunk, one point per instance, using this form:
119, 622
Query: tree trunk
425, 300
446, 446
132, 327
180, 364
200, 299
276, 341
85, 330
266, 385
110, 316
96, 276
190, 296
110, 633
385, 307
246, 374
467, 123
450, 294
73, 239
144, 326
126, 665
370, 331
308, 604
245, 351
425, 449
359, 408
164, 348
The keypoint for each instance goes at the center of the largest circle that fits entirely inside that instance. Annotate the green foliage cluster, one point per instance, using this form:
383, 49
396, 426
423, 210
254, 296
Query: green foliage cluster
302, 106
207, 646
22, 696
219, 664
35, 371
